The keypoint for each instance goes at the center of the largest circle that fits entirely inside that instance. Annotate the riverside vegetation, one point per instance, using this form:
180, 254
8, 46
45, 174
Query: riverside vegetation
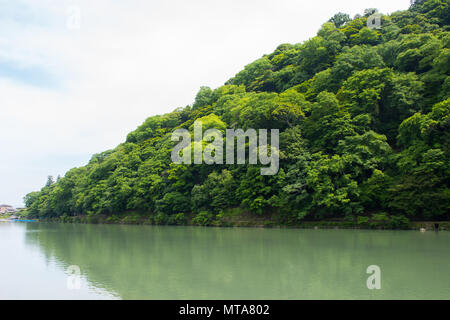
364, 119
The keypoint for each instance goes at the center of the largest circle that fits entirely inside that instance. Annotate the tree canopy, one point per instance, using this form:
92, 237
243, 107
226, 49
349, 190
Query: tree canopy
364, 119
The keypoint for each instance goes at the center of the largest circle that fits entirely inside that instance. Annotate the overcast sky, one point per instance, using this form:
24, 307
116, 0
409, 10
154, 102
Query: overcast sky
73, 87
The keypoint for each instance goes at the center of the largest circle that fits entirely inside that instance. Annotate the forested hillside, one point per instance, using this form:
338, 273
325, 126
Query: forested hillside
364, 118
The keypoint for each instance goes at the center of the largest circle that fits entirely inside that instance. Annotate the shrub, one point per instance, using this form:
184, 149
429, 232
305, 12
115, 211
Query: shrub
78, 219
268, 224
180, 218
204, 218
362, 221
176, 219
382, 216
66, 219
113, 219
160, 218
379, 220
131, 219
399, 222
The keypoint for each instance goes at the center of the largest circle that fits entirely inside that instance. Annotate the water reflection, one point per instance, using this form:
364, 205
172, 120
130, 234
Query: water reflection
27, 273
149, 262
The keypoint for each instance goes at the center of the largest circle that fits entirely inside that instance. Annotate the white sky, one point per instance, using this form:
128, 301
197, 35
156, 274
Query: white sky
67, 93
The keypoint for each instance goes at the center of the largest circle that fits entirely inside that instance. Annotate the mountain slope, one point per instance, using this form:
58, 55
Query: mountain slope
364, 122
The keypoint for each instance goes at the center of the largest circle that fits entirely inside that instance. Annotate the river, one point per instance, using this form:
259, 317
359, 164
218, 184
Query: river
37, 261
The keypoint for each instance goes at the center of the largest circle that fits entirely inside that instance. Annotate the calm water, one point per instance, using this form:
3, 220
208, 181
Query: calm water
147, 262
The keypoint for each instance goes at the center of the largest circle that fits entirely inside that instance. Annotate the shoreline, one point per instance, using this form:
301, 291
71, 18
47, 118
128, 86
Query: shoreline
253, 223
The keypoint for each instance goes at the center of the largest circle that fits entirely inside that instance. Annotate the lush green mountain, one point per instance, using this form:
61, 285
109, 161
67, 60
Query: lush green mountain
364, 119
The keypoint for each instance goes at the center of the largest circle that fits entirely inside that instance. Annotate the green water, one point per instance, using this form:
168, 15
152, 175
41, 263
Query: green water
148, 262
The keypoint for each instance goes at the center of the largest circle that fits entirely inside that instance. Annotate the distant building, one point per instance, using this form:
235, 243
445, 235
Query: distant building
6, 209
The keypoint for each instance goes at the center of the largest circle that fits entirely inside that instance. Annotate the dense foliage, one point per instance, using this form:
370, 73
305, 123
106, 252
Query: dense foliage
364, 119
